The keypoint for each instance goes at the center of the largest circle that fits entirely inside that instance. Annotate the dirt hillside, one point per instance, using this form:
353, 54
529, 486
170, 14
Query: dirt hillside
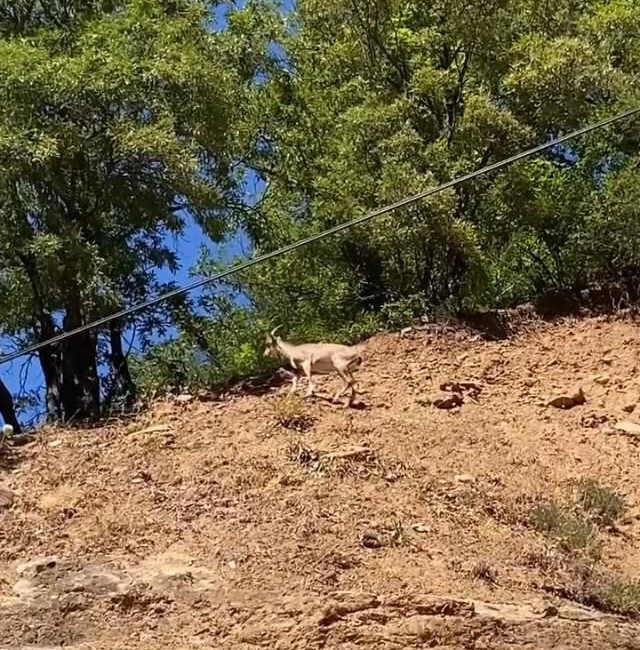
500, 512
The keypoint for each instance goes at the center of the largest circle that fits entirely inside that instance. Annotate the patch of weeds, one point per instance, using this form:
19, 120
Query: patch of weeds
303, 455
594, 588
618, 597
600, 502
361, 463
290, 412
485, 572
546, 559
398, 533
572, 531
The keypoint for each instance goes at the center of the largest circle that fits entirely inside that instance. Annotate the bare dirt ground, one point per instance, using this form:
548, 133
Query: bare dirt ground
262, 522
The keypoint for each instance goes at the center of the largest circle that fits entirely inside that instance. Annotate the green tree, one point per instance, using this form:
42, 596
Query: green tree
379, 99
116, 127
363, 103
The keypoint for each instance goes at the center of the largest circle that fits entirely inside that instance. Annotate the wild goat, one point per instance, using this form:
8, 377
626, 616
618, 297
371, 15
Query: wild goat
317, 358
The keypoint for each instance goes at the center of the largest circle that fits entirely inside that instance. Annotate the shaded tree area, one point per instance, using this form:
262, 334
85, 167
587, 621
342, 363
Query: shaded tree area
383, 99
116, 129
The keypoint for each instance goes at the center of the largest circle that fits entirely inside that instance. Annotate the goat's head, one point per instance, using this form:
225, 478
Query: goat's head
271, 349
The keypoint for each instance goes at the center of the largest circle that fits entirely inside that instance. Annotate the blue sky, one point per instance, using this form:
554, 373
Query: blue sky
25, 374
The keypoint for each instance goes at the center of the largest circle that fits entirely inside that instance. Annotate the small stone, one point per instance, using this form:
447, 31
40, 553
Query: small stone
601, 380
593, 420
447, 401
405, 331
461, 386
37, 566
7, 430
55, 443
27, 590
627, 426
421, 528
184, 399
630, 402
370, 540
232, 564
7, 497
568, 400
464, 478
23, 439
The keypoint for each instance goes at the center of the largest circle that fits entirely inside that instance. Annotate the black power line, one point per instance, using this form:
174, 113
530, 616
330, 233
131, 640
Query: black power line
314, 238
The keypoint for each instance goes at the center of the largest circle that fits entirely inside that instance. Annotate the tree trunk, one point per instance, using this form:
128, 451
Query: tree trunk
120, 365
49, 357
6, 408
50, 363
80, 383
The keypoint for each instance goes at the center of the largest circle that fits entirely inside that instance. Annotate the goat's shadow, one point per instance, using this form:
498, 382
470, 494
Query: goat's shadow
327, 400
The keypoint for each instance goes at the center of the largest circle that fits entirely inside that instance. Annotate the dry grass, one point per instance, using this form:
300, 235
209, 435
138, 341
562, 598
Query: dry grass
572, 531
397, 498
598, 501
483, 571
619, 597
291, 412
575, 524
61, 500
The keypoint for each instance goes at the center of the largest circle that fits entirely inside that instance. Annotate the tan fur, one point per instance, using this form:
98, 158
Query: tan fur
318, 359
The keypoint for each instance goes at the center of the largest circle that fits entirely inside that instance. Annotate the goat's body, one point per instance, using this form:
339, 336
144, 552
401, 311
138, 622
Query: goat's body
321, 359
325, 358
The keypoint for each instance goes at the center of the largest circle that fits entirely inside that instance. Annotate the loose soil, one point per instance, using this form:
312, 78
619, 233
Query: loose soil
258, 521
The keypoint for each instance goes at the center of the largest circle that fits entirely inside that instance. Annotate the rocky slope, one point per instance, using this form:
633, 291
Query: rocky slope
484, 496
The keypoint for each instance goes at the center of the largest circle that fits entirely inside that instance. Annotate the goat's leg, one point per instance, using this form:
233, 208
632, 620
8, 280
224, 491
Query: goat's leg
352, 385
294, 384
345, 378
306, 368
353, 366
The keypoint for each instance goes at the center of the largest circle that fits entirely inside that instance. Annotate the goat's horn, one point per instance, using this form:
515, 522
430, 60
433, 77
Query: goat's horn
274, 330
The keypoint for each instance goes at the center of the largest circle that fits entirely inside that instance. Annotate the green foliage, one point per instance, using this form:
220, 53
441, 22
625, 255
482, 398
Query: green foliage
574, 525
115, 129
600, 502
364, 103
382, 99
619, 597
572, 531
208, 352
122, 120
